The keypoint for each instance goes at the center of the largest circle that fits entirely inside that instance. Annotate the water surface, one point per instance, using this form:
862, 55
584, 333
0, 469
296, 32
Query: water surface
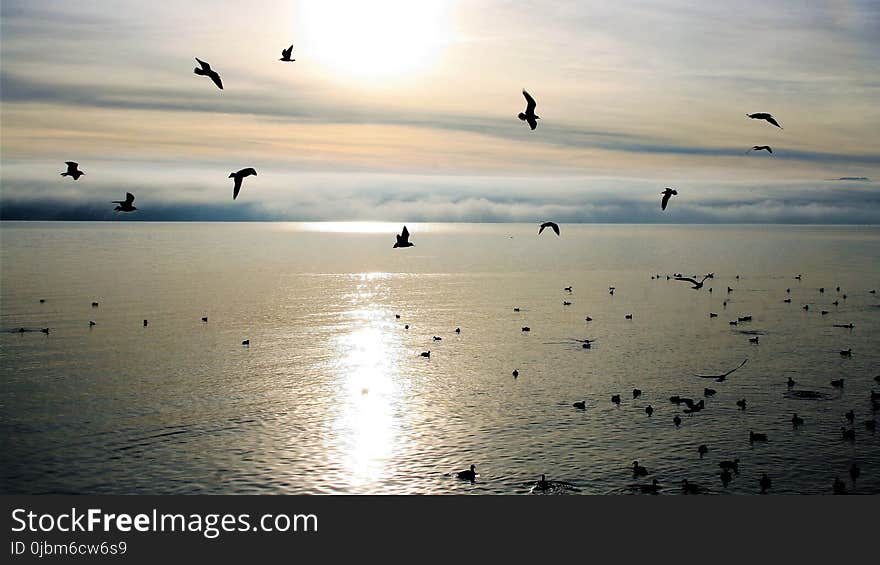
332, 395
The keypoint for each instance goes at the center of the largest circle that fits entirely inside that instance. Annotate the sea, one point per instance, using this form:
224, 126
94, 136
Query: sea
332, 395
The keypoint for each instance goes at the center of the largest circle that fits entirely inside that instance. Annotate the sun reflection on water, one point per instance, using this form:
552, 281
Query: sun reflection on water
367, 428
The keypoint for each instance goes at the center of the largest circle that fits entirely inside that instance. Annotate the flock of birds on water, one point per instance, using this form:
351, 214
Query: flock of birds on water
728, 468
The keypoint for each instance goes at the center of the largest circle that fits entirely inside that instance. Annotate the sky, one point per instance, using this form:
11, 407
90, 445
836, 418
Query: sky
406, 111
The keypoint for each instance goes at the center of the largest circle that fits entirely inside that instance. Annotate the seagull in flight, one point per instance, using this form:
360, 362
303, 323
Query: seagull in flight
720, 378
667, 194
285, 55
403, 239
125, 205
766, 148
239, 176
72, 170
551, 225
765, 116
205, 69
529, 115
697, 284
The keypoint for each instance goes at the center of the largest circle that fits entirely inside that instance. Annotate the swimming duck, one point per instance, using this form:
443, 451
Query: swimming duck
638, 470
676, 421
702, 450
690, 488
730, 466
426, 354
791, 382
468, 475
837, 383
653, 488
726, 477
649, 410
515, 373
753, 437
741, 403
796, 420
582, 405
846, 353
764, 483
616, 399
850, 416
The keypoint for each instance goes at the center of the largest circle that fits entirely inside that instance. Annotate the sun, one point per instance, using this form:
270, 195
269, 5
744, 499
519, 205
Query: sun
374, 39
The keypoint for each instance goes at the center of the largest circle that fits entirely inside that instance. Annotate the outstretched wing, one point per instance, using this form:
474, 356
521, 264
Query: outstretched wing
205, 66
688, 279
404, 235
533, 123
553, 225
665, 201
773, 121
236, 187
216, 78
530, 104
247, 172
285, 53
129, 198
71, 164
769, 149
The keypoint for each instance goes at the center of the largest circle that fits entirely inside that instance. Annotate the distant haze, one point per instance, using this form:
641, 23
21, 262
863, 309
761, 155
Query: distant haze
406, 111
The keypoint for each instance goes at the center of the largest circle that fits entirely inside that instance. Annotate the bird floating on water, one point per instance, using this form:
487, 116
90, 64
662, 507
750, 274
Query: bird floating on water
204, 69
638, 470
468, 475
581, 405
764, 483
796, 420
837, 383
239, 176
766, 117
72, 170
753, 437
529, 115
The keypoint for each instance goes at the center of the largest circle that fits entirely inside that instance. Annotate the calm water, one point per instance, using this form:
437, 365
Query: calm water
332, 395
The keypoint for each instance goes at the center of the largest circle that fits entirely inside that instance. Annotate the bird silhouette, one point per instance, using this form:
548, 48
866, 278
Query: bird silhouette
667, 194
403, 239
126, 205
72, 170
204, 69
468, 475
552, 225
529, 115
765, 116
239, 176
285, 55
766, 148
697, 284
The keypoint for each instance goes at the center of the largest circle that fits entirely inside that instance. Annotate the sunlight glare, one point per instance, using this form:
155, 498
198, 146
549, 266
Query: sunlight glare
376, 39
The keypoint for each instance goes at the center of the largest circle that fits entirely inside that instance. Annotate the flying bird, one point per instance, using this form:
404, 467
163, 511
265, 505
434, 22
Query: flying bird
285, 55
667, 194
766, 148
403, 239
697, 284
72, 170
204, 69
552, 225
765, 116
126, 205
529, 115
238, 176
